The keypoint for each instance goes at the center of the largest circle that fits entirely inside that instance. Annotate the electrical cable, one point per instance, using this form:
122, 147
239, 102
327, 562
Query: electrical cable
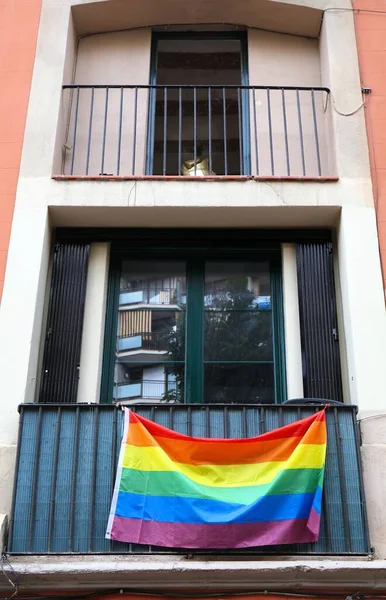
15, 584
221, 596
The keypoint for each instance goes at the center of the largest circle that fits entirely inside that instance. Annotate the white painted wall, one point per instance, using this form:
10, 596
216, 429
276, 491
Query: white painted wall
363, 307
94, 324
293, 349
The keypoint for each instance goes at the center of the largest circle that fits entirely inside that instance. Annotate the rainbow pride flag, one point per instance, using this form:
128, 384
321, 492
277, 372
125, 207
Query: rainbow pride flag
185, 492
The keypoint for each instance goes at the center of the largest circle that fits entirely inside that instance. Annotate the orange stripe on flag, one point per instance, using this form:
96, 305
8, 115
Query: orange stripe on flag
221, 453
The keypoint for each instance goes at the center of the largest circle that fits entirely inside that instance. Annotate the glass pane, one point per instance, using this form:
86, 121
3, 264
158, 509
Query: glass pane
241, 384
155, 283
158, 334
238, 335
192, 127
237, 286
150, 332
148, 383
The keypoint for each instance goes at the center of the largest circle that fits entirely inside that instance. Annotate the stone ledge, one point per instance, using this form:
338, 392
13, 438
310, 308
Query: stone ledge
181, 572
196, 178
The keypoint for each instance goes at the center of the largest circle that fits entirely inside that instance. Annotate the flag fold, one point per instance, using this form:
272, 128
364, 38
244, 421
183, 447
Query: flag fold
178, 491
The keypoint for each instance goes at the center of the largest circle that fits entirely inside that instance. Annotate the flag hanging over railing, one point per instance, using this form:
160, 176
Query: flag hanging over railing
184, 492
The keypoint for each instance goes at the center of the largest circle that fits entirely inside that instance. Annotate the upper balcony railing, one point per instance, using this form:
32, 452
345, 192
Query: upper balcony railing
197, 131
67, 457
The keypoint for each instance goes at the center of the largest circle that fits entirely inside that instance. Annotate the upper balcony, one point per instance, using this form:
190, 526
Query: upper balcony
67, 456
197, 130
220, 104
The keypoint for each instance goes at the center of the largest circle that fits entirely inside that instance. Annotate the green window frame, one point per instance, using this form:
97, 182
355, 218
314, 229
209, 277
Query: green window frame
195, 259
240, 36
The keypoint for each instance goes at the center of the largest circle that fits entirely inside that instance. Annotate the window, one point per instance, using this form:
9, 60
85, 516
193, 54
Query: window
198, 329
199, 114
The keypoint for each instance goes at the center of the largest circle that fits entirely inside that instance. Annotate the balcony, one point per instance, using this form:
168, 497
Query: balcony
67, 456
149, 390
206, 131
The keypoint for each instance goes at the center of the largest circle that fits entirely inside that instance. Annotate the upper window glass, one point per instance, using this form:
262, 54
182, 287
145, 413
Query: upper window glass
199, 109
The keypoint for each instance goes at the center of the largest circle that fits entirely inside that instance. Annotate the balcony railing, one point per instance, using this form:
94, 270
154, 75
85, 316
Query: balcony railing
156, 341
151, 389
164, 296
67, 456
197, 130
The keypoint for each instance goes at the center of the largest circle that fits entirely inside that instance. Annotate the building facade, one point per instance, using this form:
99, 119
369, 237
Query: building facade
370, 24
194, 236
18, 33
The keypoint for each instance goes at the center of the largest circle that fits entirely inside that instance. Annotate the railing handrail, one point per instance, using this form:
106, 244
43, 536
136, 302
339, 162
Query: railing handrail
118, 384
295, 88
97, 405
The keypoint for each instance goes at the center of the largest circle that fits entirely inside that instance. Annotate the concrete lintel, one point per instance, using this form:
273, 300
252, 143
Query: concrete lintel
180, 572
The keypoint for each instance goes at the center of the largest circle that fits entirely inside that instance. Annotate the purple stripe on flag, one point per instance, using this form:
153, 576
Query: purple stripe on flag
243, 535
313, 523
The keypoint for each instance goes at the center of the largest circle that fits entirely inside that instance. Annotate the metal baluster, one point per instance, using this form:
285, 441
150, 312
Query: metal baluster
90, 130
54, 478
73, 480
245, 423
255, 128
165, 130
326, 515
120, 133
262, 420
240, 133
207, 420
104, 132
357, 440
135, 128
301, 132
285, 131
270, 131
113, 467
93, 477
75, 129
195, 129
225, 131
179, 131
226, 422
210, 128
316, 133
35, 482
342, 483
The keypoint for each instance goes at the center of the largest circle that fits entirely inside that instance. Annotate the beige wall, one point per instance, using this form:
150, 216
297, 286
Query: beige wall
286, 60
109, 59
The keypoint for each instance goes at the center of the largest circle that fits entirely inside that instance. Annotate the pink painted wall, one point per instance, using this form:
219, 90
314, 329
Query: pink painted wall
371, 41
19, 21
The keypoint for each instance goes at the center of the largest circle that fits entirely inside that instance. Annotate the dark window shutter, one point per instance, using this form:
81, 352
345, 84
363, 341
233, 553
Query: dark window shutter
318, 322
60, 373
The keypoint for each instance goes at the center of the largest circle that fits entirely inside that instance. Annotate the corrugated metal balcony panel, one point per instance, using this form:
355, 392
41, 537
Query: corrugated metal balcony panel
67, 460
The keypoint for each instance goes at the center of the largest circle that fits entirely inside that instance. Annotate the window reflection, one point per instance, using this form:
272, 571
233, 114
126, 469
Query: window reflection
151, 332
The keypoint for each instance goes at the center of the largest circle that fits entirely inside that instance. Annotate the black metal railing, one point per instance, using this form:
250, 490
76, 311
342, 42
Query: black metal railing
67, 457
197, 130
